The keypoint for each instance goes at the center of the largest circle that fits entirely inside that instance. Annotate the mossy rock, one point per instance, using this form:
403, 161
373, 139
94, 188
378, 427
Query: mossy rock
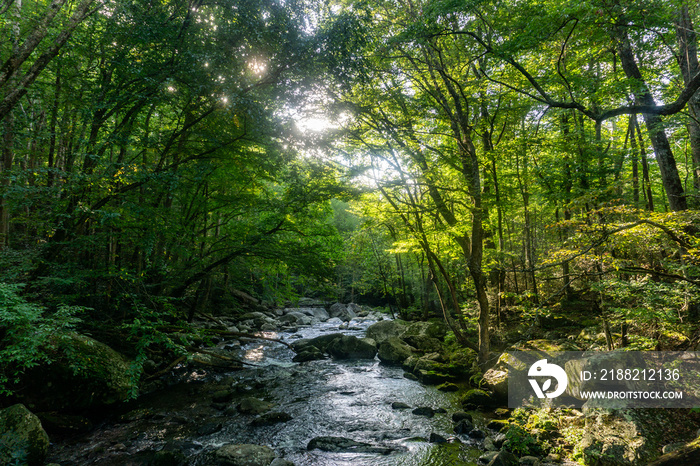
22, 439
84, 374
434, 377
478, 397
385, 329
394, 351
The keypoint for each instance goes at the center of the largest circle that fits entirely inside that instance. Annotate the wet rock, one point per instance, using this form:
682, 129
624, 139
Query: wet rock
476, 433
168, 458
334, 321
464, 427
448, 387
22, 439
296, 318
281, 462
350, 347
424, 411
399, 405
344, 312
244, 455
437, 438
478, 397
342, 444
433, 377
85, 374
250, 405
269, 419
440, 411
320, 343
502, 413
209, 428
460, 415
504, 458
222, 396
309, 354
529, 461
409, 376
394, 351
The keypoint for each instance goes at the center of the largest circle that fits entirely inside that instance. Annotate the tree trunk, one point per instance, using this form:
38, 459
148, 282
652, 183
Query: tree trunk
655, 127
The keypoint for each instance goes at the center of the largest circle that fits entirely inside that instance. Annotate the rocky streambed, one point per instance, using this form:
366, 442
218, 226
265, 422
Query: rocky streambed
326, 411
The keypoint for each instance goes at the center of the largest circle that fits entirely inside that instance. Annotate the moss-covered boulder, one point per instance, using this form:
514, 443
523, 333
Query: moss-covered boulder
350, 347
385, 329
84, 374
478, 397
22, 439
629, 437
394, 351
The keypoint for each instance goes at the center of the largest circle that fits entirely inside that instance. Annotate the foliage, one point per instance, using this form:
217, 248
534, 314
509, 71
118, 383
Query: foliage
29, 334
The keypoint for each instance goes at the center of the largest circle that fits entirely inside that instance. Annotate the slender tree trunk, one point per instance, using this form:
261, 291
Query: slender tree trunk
655, 127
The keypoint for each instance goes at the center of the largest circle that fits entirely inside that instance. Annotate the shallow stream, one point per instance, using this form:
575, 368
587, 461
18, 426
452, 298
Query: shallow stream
350, 399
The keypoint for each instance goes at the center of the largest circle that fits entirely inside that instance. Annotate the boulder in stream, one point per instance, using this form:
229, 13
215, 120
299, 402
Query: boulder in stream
344, 312
394, 351
244, 455
350, 347
22, 439
346, 445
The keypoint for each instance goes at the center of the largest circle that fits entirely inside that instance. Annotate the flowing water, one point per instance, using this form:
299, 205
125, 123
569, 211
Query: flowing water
350, 399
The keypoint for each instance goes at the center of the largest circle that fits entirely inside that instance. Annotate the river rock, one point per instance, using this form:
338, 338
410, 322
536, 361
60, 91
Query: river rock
459, 415
296, 318
281, 462
437, 438
272, 418
250, 405
308, 354
350, 347
394, 351
342, 311
84, 374
22, 439
464, 426
320, 343
504, 458
477, 398
385, 329
342, 444
399, 405
424, 411
318, 313
244, 455
529, 461
423, 343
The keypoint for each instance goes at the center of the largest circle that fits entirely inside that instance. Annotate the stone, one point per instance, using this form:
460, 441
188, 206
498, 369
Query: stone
281, 462
487, 457
272, 418
342, 444
437, 438
496, 378
222, 396
244, 455
22, 439
385, 329
478, 397
424, 343
250, 405
409, 376
84, 374
460, 415
623, 437
209, 428
448, 387
399, 405
308, 354
530, 461
320, 343
489, 445
424, 411
464, 427
476, 433
342, 311
504, 458
499, 425
351, 347
394, 351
